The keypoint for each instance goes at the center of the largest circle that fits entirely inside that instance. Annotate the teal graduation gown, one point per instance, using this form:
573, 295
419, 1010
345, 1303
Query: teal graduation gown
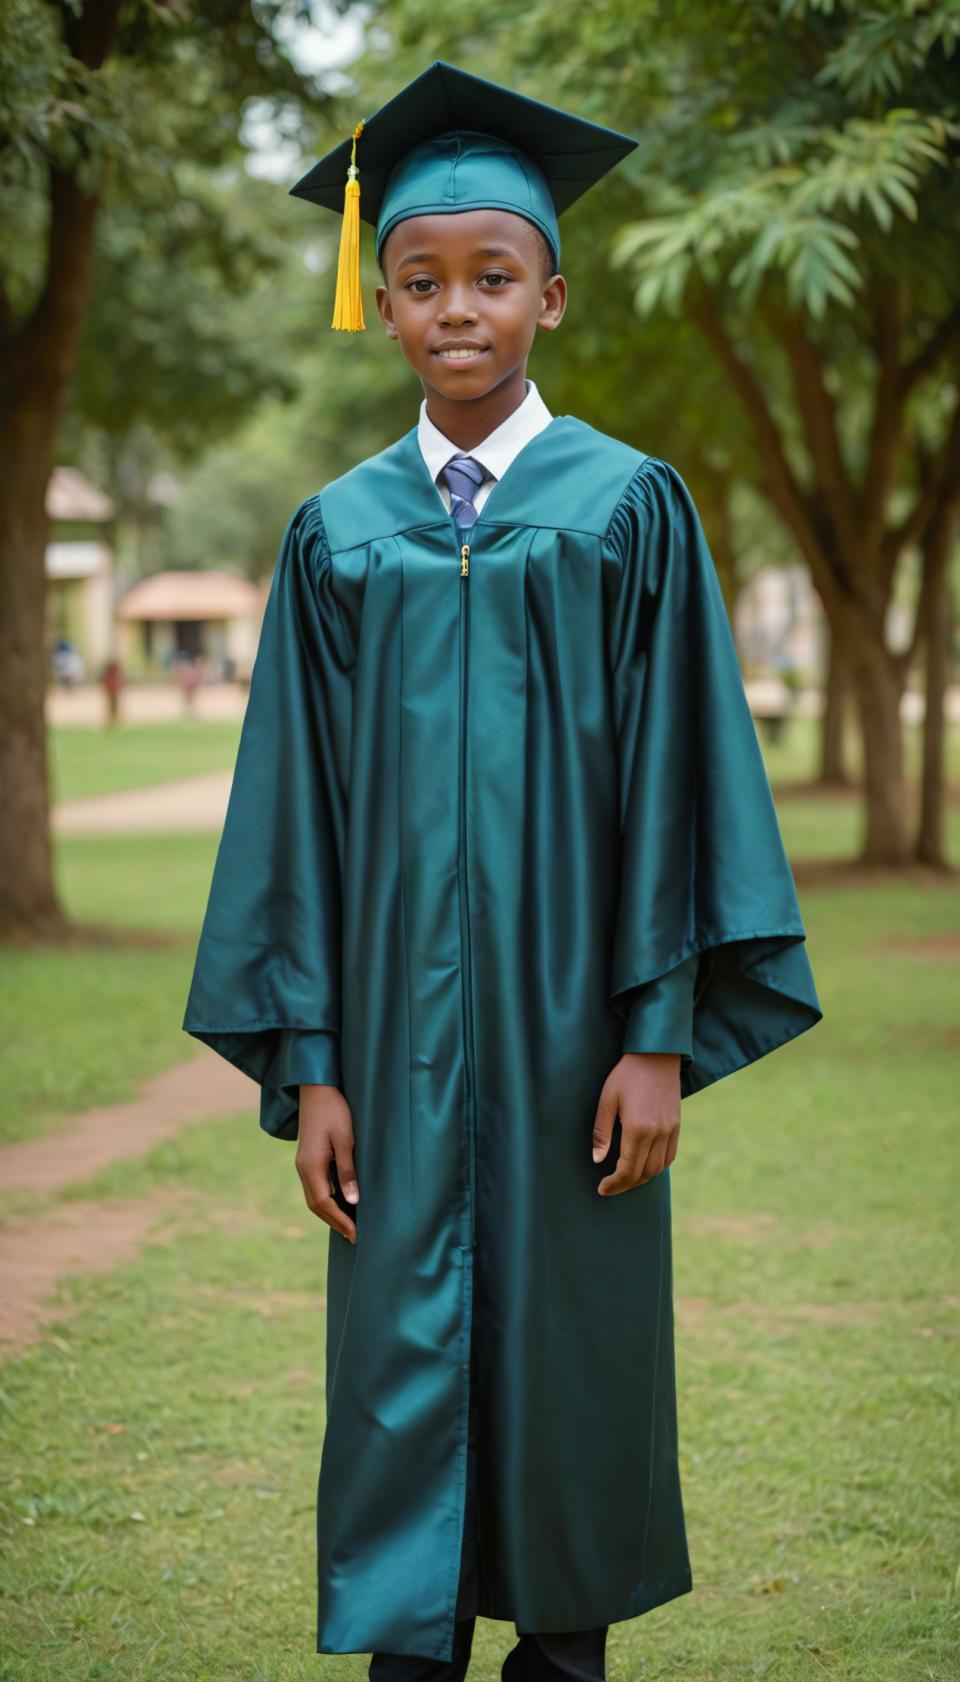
476, 811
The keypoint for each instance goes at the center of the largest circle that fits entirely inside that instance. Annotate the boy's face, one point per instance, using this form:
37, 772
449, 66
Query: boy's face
470, 278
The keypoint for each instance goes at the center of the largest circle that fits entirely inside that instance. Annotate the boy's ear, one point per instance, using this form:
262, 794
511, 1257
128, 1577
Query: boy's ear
553, 303
386, 311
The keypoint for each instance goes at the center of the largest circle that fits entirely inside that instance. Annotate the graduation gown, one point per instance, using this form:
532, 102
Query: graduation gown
479, 816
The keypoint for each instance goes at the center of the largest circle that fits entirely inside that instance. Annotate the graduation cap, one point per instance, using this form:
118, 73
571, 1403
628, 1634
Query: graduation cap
452, 141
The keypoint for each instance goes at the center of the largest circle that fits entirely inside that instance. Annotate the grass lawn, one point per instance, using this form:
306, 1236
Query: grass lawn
86, 1026
158, 1497
117, 1013
163, 1439
85, 761
795, 757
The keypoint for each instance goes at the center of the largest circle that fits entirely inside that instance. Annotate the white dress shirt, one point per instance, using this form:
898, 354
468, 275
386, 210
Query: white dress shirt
496, 451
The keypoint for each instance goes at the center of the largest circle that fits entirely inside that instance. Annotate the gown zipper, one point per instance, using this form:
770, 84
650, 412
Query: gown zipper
465, 901
467, 986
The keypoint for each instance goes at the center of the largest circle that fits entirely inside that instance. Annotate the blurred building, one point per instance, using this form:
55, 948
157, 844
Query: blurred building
79, 567
779, 623
171, 614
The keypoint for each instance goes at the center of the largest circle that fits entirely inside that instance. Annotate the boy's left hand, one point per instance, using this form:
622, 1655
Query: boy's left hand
644, 1088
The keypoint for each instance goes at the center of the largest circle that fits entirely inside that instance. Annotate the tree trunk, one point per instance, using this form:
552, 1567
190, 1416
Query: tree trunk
38, 359
840, 527
877, 684
936, 627
28, 901
833, 770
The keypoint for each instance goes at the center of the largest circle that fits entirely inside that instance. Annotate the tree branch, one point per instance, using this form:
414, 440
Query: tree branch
939, 482
926, 359
934, 512
783, 488
817, 411
48, 337
886, 432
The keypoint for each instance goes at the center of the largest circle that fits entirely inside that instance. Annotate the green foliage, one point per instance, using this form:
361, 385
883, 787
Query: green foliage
889, 44
796, 201
158, 133
184, 329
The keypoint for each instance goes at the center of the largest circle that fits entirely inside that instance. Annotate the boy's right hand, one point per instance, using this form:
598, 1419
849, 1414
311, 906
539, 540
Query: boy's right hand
325, 1135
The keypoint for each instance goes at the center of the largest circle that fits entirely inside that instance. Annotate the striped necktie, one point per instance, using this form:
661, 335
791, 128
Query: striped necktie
463, 476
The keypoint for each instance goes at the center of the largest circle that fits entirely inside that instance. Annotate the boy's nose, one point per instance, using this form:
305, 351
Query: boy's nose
456, 308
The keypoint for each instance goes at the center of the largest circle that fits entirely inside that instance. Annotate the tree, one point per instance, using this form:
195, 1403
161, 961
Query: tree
102, 104
808, 224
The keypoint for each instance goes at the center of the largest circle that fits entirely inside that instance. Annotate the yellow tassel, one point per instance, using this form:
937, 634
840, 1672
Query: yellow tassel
348, 305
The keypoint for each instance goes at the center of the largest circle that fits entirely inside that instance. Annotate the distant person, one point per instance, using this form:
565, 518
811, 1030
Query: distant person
189, 676
67, 663
111, 679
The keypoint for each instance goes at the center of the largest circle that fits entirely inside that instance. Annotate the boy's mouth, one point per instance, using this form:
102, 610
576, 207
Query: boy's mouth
461, 353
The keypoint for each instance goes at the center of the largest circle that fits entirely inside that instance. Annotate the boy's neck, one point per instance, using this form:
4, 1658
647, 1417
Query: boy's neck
467, 421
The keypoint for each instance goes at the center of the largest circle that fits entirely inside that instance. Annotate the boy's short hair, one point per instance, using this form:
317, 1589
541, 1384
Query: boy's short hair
545, 256
547, 269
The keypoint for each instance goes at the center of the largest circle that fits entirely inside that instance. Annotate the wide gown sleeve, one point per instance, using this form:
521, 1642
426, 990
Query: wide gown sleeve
660, 1015
707, 899
265, 992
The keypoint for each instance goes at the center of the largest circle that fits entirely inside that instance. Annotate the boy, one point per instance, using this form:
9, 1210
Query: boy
500, 882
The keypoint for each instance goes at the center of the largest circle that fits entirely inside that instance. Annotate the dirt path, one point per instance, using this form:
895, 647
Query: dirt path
198, 1089
78, 1238
186, 803
144, 703
92, 1237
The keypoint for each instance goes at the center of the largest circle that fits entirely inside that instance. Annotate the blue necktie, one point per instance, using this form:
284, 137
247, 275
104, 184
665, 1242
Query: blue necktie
462, 477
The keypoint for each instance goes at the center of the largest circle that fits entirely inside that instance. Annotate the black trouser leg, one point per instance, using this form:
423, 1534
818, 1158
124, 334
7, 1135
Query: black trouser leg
571, 1656
405, 1667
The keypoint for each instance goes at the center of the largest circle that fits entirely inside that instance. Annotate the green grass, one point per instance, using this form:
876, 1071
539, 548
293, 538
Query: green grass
85, 761
138, 881
820, 827
118, 1013
86, 1026
796, 757
158, 1497
163, 1440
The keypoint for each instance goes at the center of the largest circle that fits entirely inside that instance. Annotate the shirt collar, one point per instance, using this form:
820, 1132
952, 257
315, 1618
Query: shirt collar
497, 450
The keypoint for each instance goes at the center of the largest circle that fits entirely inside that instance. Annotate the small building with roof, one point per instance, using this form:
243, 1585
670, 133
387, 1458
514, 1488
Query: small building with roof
169, 615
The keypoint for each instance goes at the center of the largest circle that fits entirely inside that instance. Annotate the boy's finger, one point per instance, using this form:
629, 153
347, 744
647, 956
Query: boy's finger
330, 1211
603, 1123
346, 1172
634, 1147
318, 1191
611, 1184
656, 1158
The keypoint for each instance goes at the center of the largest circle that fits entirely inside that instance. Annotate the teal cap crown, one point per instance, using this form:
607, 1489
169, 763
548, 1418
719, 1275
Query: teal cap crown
466, 170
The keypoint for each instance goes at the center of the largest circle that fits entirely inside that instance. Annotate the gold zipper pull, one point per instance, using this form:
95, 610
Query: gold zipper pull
464, 560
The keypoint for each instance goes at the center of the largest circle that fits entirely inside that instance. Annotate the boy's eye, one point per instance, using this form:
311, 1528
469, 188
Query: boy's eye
423, 281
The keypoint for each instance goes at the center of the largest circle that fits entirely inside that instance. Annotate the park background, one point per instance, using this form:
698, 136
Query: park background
765, 293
